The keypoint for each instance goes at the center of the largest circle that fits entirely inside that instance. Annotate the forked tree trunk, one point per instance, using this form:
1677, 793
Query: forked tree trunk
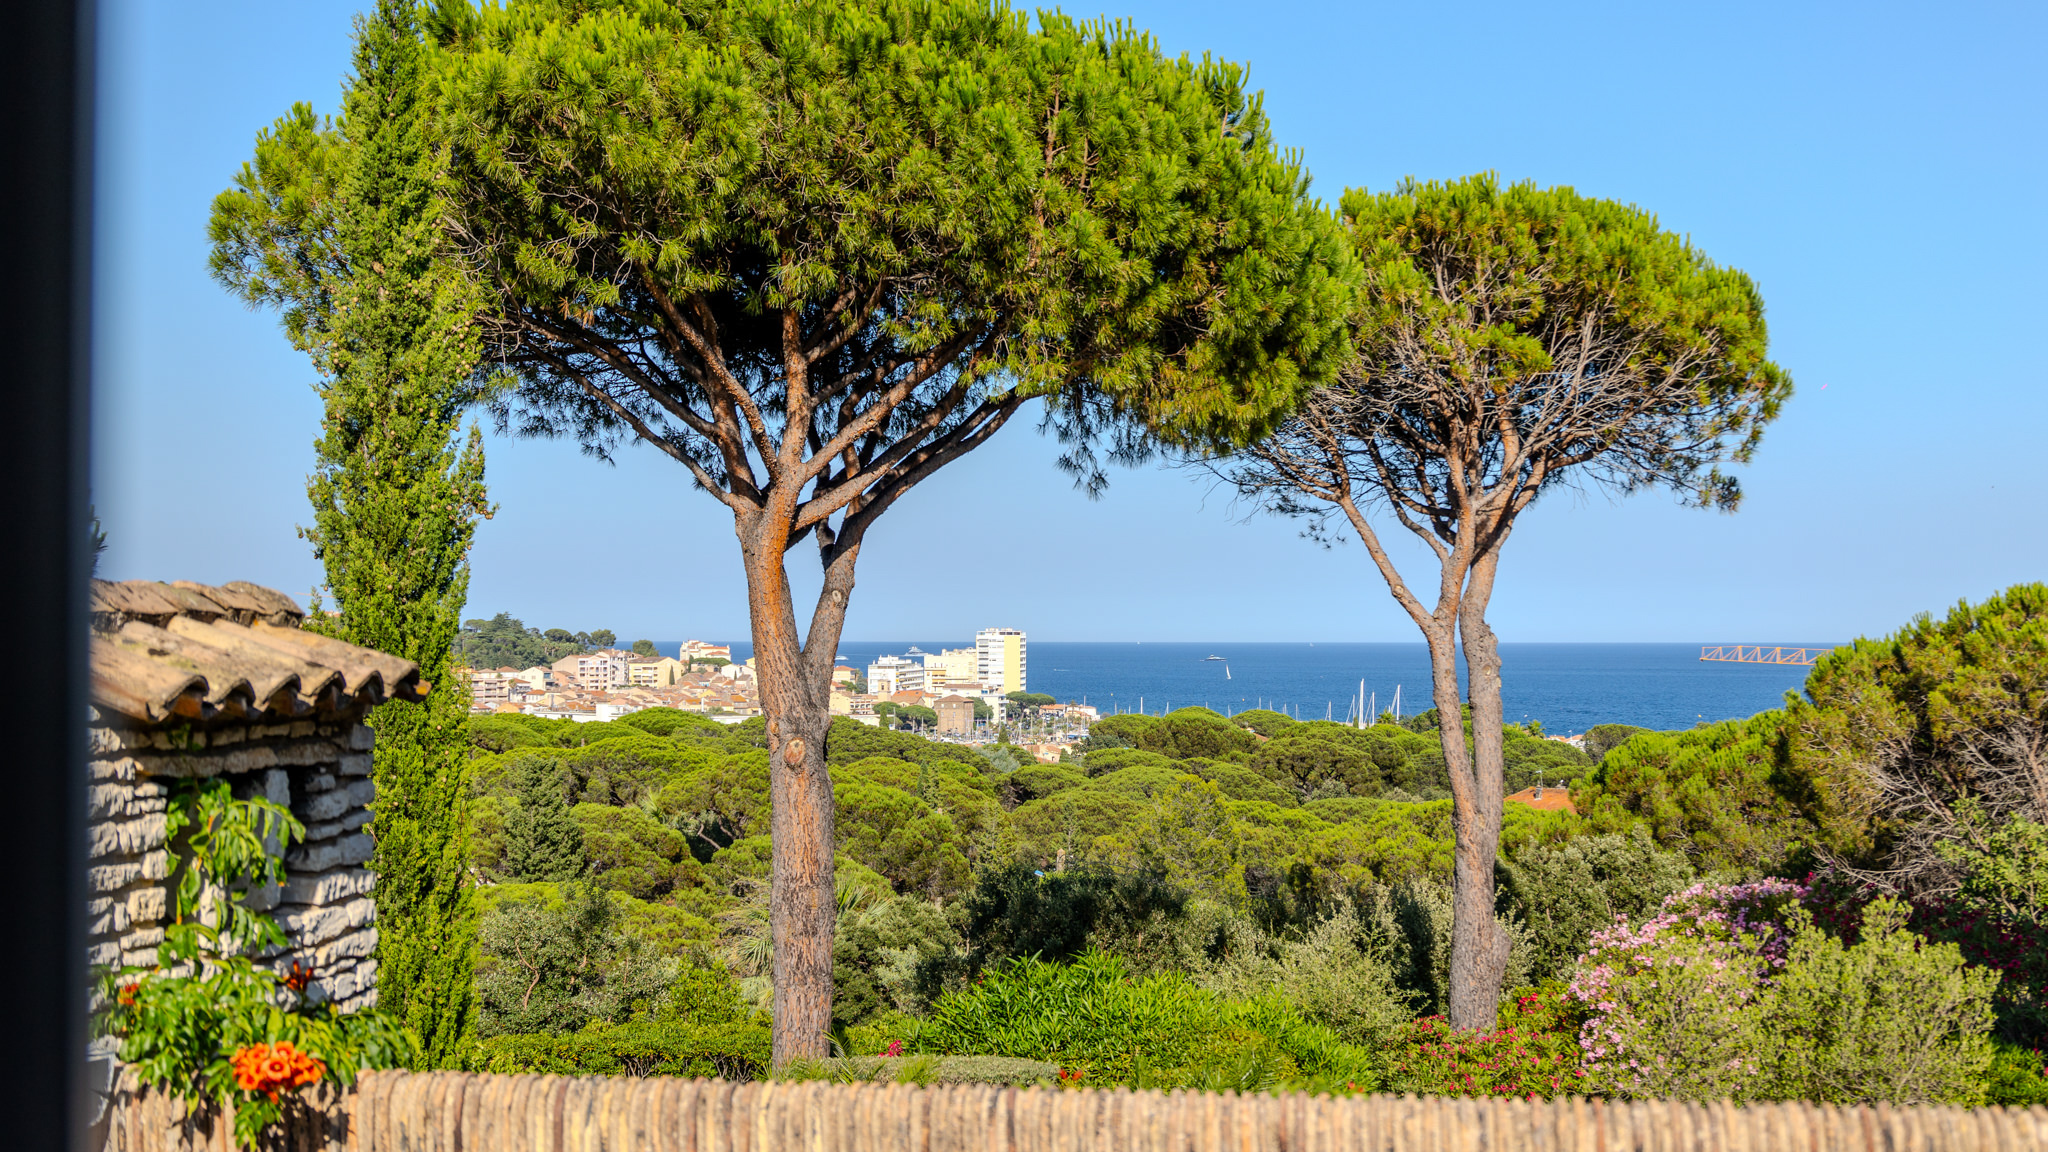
1479, 948
794, 675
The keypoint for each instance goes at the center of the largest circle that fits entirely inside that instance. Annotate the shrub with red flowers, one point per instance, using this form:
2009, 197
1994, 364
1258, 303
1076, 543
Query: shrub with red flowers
273, 1068
1533, 1051
210, 1024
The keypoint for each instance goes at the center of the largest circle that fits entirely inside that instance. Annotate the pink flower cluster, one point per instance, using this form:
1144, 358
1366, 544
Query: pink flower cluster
1741, 933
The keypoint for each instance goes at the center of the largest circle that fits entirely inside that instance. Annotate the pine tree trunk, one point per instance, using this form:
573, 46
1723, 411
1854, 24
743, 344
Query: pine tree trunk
794, 682
1479, 948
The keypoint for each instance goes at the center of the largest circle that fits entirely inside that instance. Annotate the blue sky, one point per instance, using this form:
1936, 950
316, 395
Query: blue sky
1876, 168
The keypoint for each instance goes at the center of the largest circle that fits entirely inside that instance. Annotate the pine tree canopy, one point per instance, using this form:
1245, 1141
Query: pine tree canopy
1573, 337
849, 240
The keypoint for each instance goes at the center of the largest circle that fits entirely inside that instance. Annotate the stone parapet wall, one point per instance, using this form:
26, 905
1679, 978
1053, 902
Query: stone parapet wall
320, 769
455, 1112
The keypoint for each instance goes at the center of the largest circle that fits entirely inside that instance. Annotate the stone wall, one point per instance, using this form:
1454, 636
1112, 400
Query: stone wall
454, 1112
318, 769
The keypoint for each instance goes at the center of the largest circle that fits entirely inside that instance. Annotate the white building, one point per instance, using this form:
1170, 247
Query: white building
892, 674
999, 658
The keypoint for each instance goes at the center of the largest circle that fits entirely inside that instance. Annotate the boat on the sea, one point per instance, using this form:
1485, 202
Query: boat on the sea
1212, 657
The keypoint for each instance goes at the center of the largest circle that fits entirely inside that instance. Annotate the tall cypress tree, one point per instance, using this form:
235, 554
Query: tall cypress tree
542, 840
338, 228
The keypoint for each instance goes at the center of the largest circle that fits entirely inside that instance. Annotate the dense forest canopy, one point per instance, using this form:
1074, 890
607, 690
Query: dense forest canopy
1256, 855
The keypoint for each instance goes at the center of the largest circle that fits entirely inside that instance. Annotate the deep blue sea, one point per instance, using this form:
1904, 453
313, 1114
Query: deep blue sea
1569, 687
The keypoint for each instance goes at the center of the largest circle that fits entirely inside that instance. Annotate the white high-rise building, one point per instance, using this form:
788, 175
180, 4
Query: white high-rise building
892, 674
999, 658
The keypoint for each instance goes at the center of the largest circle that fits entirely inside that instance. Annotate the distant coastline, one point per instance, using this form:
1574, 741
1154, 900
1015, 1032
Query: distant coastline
1567, 687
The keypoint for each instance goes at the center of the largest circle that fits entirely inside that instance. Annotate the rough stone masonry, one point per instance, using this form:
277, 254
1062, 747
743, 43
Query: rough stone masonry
191, 681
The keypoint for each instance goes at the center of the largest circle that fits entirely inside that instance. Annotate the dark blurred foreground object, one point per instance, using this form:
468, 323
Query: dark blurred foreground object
45, 209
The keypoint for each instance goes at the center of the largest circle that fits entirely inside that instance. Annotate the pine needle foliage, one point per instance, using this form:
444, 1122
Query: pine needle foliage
337, 226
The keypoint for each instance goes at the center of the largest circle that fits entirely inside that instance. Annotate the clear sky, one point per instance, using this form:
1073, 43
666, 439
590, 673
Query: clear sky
1878, 168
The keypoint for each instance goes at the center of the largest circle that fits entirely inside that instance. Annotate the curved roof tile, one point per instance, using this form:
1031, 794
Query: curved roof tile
185, 652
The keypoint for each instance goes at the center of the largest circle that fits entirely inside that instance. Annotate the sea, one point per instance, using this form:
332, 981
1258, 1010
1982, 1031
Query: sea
1568, 688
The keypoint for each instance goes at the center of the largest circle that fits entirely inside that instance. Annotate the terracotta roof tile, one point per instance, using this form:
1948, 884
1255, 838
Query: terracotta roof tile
164, 653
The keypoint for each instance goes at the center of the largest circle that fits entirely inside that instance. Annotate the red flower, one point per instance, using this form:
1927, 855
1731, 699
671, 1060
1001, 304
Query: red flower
271, 1068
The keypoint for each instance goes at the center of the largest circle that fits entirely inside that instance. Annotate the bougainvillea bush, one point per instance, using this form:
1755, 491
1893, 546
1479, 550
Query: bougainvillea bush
1736, 992
1533, 1051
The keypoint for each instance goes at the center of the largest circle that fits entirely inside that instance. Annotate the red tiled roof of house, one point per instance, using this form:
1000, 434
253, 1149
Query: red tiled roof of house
1554, 799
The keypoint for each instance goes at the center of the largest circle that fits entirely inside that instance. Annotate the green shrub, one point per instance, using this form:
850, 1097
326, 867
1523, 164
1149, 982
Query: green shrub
728, 1051
1006, 1070
1890, 1017
1017, 911
1332, 975
557, 962
1105, 1027
1999, 917
890, 956
1409, 923
181, 1022
1532, 1051
1563, 893
2017, 1078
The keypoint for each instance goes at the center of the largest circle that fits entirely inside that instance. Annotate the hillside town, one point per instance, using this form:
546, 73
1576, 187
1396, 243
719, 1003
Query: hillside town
969, 695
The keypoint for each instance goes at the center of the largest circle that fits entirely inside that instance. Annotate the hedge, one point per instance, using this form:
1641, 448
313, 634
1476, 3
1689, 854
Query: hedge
730, 1052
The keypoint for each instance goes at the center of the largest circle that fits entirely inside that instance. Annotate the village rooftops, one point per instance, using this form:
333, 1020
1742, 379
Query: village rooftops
184, 653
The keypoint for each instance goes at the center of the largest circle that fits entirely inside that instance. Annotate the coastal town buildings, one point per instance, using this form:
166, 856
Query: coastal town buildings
655, 671
956, 715
889, 675
950, 666
999, 658
605, 668
955, 683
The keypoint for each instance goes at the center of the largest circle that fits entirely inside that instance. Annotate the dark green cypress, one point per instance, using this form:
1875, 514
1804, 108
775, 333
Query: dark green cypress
396, 496
542, 840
